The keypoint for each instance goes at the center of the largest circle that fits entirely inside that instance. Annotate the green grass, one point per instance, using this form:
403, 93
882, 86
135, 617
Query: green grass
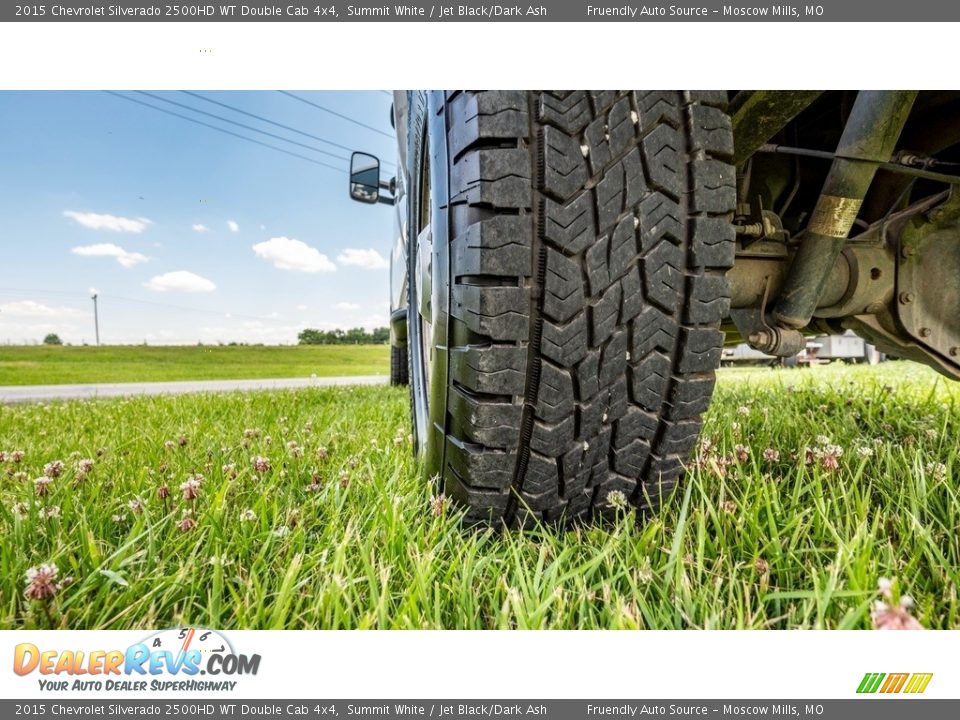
772, 544
50, 365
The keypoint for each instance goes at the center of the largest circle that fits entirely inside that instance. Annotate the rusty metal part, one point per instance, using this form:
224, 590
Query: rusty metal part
871, 133
927, 269
930, 335
748, 276
766, 226
759, 224
881, 332
752, 325
753, 230
870, 271
758, 115
781, 342
896, 286
862, 278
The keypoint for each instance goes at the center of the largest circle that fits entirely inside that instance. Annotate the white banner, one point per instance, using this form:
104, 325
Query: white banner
256, 56
462, 664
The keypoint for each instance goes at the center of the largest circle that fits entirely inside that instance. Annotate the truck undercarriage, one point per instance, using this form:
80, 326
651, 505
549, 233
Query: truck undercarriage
847, 218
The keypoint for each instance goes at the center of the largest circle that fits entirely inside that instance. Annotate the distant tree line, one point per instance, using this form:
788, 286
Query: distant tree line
353, 336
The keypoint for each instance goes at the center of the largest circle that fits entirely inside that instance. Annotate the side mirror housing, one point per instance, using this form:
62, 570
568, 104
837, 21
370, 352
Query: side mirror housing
364, 178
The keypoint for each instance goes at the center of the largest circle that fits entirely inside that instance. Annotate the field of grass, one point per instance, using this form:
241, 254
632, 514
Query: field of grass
52, 365
310, 514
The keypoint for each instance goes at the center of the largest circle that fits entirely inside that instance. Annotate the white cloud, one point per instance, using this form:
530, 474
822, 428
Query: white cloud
31, 308
347, 306
124, 257
250, 332
233, 225
180, 281
200, 227
289, 254
375, 321
368, 259
103, 221
27, 321
301, 308
32, 330
345, 322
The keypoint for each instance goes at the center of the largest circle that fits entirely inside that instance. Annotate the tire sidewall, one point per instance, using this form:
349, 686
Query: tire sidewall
426, 129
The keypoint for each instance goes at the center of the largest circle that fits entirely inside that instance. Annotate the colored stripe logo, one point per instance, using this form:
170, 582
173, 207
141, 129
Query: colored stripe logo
887, 683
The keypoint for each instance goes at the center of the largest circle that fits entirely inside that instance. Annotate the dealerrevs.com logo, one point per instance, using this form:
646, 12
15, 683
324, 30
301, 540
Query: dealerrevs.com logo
169, 660
892, 683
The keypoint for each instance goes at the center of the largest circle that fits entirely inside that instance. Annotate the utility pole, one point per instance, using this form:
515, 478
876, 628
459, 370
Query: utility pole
96, 318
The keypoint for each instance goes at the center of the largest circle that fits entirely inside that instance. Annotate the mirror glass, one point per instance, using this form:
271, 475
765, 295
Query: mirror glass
364, 177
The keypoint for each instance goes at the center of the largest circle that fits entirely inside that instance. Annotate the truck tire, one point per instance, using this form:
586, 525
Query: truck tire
576, 246
399, 366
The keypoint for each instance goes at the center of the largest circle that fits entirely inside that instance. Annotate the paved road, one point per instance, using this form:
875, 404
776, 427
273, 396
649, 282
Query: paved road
39, 393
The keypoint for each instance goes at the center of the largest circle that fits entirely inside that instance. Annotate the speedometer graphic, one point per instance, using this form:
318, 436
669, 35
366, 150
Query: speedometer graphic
183, 639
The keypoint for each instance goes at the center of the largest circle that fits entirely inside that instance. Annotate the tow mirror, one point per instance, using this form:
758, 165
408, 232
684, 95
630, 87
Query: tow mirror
364, 178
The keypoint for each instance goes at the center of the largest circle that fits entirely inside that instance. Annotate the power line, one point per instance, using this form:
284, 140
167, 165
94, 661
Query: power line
198, 96
225, 131
336, 114
239, 124
184, 308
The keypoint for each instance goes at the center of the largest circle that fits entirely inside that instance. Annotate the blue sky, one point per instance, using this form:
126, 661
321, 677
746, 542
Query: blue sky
186, 233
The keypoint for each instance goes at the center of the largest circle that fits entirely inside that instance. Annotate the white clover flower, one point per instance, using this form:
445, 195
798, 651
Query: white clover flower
616, 499
885, 585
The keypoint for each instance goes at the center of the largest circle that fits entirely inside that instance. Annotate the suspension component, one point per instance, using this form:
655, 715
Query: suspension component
777, 341
871, 133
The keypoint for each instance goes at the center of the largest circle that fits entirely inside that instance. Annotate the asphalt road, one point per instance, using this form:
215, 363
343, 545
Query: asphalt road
40, 393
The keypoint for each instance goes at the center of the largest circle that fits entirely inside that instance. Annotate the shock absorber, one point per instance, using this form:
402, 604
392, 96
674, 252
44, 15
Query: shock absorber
871, 134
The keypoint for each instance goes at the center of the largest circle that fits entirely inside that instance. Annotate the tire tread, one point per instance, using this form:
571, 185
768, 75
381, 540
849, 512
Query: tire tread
591, 236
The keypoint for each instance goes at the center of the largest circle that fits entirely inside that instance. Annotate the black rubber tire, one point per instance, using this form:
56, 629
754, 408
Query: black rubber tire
399, 366
580, 245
